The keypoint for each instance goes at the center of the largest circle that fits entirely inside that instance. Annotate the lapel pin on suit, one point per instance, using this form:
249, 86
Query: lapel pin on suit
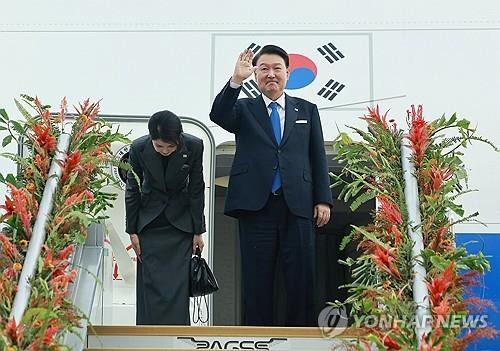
296, 109
184, 155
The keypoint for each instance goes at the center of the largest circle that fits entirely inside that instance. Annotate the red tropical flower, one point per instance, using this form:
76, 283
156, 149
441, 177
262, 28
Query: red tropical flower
14, 331
60, 284
397, 234
89, 167
439, 285
73, 199
44, 112
9, 207
44, 137
391, 344
438, 238
10, 274
419, 133
88, 109
438, 176
50, 332
87, 114
8, 249
66, 252
46, 116
72, 165
389, 211
429, 346
21, 204
61, 115
43, 164
385, 261
58, 264
38, 103
375, 118
89, 196
428, 341
444, 308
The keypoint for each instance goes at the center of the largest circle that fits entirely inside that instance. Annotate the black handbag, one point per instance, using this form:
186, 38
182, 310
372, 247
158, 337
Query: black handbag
201, 283
202, 280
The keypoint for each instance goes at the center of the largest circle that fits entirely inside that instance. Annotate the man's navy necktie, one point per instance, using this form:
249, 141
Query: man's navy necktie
275, 122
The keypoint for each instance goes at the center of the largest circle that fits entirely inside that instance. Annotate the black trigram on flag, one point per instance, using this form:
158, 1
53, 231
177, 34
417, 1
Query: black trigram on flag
330, 52
254, 47
250, 88
331, 89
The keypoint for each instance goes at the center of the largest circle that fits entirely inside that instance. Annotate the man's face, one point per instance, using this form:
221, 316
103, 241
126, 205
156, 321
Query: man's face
271, 75
164, 148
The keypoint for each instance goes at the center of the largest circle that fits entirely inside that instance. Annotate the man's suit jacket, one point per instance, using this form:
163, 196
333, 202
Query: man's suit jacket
178, 190
300, 156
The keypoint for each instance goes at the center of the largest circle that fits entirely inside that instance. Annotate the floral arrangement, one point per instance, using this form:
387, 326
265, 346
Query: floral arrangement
79, 201
382, 285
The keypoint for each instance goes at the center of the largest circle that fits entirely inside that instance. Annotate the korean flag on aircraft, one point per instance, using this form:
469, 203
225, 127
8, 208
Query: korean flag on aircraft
327, 69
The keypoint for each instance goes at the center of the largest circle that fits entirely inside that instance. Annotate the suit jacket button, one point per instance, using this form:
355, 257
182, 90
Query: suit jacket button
275, 167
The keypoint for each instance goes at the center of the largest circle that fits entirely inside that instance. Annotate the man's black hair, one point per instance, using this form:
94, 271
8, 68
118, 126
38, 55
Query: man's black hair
166, 126
271, 50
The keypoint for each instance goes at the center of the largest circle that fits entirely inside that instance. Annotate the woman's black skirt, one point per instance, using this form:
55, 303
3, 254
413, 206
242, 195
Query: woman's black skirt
163, 276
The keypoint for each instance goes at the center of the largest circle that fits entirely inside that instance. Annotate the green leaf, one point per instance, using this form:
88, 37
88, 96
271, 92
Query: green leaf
345, 241
44, 313
369, 236
456, 208
23, 111
6, 141
477, 262
337, 183
367, 305
362, 199
439, 262
453, 118
346, 139
18, 127
12, 180
3, 114
84, 220
348, 193
463, 123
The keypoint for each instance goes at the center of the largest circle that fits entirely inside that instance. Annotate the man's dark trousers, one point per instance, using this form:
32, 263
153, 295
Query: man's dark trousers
264, 235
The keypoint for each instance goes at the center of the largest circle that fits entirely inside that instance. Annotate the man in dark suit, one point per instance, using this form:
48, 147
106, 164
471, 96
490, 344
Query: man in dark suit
279, 185
164, 217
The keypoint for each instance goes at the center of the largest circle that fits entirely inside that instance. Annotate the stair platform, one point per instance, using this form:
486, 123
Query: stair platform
183, 338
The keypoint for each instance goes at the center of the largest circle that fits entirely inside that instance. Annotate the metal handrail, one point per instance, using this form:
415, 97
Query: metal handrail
88, 261
38, 236
420, 291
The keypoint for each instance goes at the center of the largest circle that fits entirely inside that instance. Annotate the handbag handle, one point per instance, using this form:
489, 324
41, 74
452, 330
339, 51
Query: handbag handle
197, 252
197, 310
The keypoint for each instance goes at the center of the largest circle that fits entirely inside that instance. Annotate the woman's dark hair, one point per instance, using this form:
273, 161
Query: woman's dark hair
271, 50
166, 126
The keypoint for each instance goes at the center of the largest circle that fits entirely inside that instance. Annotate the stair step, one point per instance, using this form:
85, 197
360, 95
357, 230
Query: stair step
120, 338
141, 349
149, 330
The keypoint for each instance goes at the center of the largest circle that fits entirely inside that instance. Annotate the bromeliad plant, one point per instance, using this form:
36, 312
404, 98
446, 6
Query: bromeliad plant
382, 274
79, 201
